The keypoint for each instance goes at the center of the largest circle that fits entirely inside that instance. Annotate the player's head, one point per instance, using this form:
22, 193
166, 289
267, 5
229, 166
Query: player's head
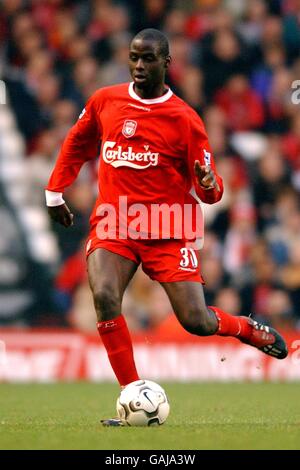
149, 58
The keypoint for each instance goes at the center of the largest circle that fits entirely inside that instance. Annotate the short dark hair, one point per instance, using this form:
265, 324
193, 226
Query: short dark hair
157, 36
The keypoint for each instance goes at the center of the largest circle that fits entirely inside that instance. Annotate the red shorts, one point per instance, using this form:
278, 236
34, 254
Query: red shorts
162, 260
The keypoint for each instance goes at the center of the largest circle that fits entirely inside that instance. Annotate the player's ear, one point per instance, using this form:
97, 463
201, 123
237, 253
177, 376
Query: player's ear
167, 61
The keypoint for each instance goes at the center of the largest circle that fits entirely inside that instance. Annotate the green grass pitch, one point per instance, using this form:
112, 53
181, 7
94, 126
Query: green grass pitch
203, 416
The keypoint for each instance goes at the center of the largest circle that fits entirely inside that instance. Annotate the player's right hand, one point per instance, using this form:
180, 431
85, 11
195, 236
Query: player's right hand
61, 214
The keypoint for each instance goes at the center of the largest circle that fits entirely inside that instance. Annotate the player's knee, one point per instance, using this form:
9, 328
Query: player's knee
107, 303
199, 323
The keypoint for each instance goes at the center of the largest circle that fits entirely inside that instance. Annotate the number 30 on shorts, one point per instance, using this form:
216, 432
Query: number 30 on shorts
189, 258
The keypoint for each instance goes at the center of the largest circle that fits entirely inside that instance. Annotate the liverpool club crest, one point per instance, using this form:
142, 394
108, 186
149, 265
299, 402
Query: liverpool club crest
129, 128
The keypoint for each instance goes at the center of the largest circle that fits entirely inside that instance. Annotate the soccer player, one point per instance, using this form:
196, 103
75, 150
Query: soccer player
154, 150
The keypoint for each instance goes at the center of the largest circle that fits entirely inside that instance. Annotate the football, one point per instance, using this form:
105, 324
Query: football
143, 403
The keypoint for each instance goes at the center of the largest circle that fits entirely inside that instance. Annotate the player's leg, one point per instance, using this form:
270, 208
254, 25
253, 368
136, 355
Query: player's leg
175, 265
187, 300
109, 275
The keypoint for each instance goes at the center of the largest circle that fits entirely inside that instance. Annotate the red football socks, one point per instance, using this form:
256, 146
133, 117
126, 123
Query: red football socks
117, 342
230, 325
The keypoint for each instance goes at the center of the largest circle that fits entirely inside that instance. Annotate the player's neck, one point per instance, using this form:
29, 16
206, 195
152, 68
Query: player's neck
151, 93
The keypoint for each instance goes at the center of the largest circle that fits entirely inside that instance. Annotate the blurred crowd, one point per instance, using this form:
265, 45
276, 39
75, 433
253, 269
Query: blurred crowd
236, 63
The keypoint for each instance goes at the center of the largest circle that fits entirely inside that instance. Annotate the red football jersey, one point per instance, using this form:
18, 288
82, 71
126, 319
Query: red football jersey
148, 150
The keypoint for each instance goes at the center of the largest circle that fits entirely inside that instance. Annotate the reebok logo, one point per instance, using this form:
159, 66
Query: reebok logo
139, 107
117, 157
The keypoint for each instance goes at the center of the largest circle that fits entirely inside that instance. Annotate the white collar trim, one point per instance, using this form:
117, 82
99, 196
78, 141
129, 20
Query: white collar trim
160, 99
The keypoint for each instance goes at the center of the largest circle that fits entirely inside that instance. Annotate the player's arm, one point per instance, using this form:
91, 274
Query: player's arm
208, 184
80, 145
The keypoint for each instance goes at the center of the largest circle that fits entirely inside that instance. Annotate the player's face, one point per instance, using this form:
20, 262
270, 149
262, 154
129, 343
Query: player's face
147, 65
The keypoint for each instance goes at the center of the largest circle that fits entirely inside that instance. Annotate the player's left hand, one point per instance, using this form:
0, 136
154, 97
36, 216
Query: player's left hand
206, 176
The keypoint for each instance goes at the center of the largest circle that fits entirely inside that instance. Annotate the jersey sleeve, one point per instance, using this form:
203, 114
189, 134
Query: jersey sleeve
80, 145
199, 149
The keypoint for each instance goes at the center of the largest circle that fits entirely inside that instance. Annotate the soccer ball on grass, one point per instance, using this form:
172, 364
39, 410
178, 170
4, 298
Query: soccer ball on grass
143, 403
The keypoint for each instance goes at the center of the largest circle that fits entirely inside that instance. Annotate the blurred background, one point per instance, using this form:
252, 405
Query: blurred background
234, 62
